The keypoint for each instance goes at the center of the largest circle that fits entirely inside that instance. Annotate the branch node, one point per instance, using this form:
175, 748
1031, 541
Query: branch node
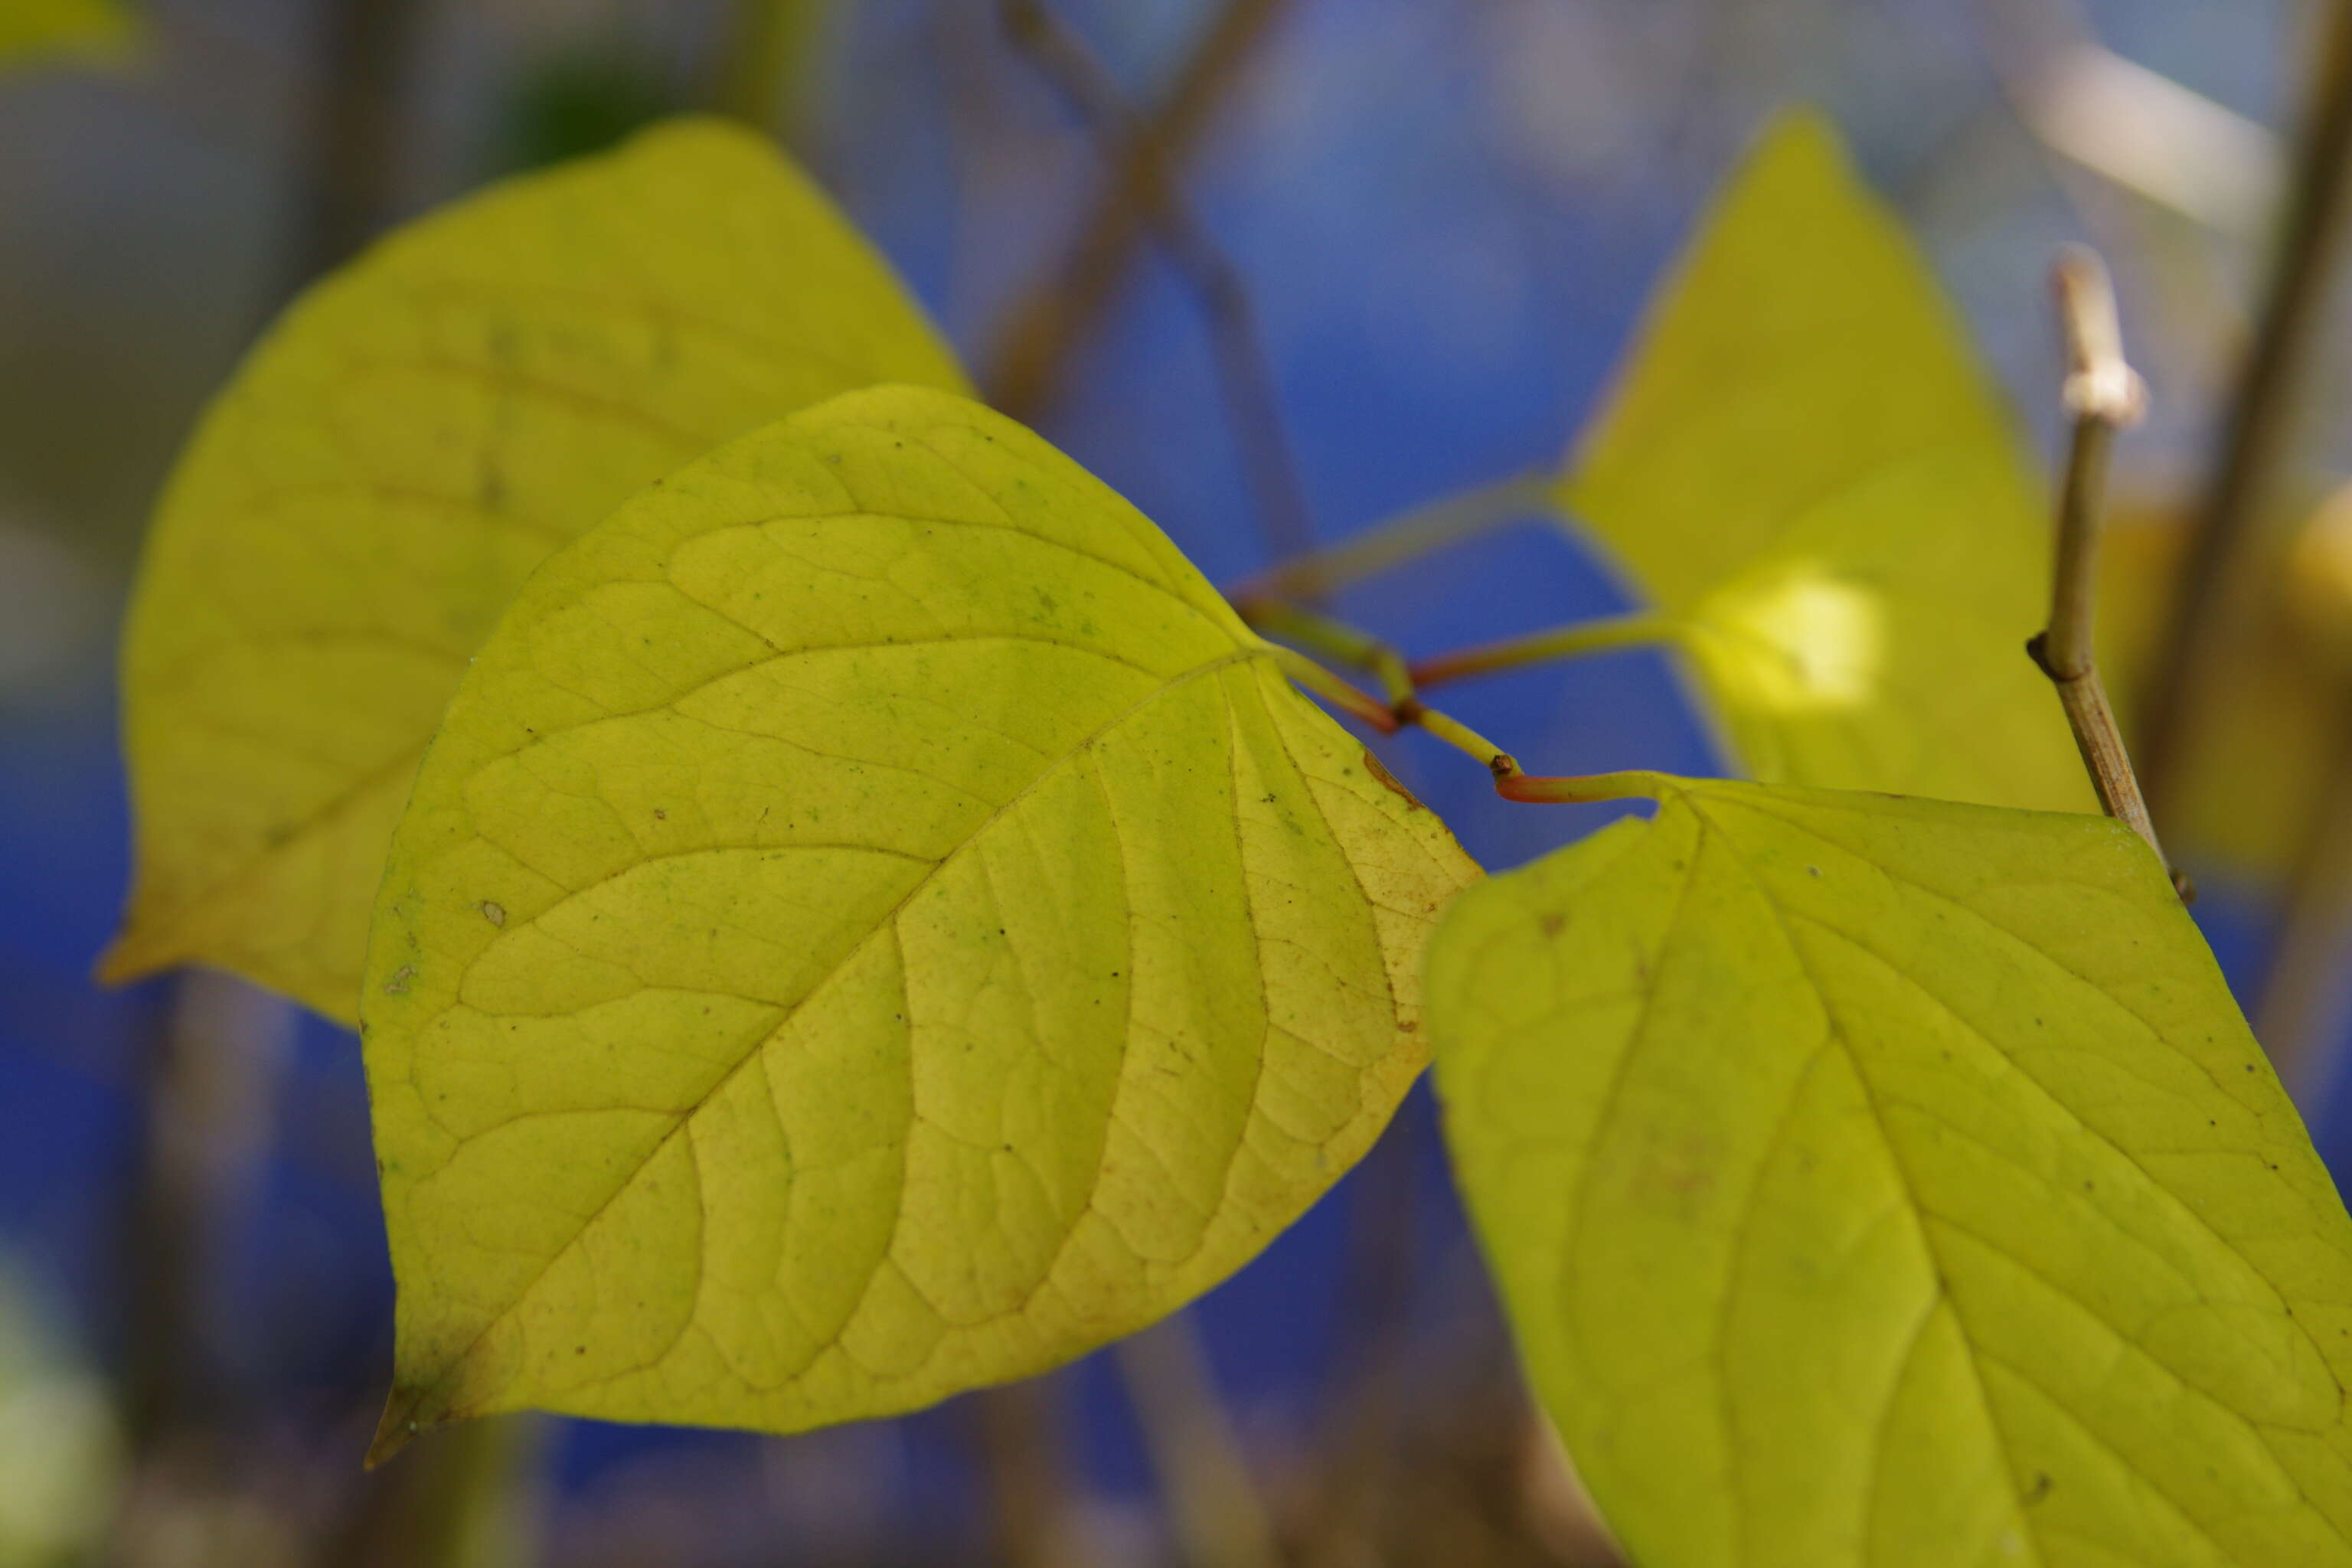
2037, 648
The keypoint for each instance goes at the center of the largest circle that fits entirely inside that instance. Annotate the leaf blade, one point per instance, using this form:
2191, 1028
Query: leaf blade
1802, 462
394, 459
1007, 951
1925, 1199
33, 31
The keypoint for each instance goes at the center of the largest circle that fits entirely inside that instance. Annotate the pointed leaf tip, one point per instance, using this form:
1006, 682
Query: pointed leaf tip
401, 1421
137, 951
119, 962
1803, 464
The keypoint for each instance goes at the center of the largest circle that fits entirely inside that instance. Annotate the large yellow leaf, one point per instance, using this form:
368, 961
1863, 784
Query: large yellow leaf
32, 30
1804, 467
397, 454
873, 922
1890, 1181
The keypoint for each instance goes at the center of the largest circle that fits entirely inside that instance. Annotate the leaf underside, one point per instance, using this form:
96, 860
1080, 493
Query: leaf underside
1805, 468
415, 436
873, 924
1888, 1182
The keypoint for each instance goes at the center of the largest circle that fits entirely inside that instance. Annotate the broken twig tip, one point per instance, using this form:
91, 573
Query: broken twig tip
2103, 393
2100, 382
403, 1420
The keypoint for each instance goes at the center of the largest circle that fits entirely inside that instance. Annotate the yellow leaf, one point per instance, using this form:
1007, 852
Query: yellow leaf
2318, 583
32, 30
1804, 466
415, 436
873, 922
2255, 769
1892, 1182
61, 1447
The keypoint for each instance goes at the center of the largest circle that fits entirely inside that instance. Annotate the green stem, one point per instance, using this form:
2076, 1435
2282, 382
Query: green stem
1352, 645
1458, 735
1358, 703
1574, 641
1439, 525
1334, 639
1637, 783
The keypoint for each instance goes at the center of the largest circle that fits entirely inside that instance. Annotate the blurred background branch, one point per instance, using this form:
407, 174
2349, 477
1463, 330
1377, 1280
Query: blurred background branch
1141, 159
1030, 358
2231, 546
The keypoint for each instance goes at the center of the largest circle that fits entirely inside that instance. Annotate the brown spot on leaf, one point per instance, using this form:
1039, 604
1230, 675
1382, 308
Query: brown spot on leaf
1372, 765
1678, 1176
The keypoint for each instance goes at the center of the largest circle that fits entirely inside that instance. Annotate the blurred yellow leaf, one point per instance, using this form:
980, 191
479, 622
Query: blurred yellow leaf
61, 1449
415, 436
32, 30
873, 922
1892, 1182
1805, 467
2253, 770
2319, 583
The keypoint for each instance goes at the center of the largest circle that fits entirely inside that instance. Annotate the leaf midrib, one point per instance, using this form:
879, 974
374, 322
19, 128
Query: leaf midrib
887, 922
1912, 1208
1919, 1212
